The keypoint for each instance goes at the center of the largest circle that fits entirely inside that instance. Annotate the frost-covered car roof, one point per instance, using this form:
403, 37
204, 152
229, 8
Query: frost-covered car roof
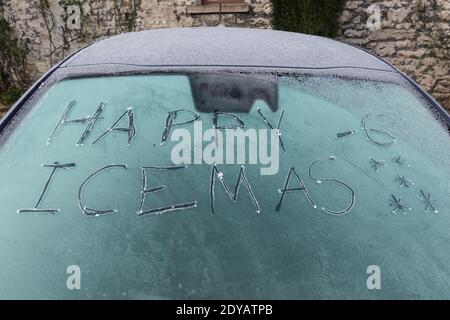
223, 46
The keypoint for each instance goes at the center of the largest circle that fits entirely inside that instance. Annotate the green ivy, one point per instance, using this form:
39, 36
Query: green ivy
12, 61
318, 17
11, 95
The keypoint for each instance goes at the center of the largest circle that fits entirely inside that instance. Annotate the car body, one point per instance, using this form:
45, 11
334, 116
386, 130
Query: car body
108, 171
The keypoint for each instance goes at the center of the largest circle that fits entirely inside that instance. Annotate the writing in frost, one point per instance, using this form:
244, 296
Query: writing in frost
216, 153
263, 148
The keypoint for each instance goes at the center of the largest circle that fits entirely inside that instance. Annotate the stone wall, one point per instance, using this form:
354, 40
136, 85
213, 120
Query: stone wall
413, 35
414, 40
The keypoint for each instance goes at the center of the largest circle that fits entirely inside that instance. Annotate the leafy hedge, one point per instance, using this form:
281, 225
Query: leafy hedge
319, 17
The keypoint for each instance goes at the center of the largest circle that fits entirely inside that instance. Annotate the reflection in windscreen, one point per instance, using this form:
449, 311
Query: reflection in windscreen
152, 196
